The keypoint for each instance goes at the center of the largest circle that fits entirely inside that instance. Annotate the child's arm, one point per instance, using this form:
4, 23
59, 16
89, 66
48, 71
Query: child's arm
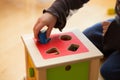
55, 16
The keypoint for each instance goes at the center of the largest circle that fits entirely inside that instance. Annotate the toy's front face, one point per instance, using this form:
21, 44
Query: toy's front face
77, 71
61, 45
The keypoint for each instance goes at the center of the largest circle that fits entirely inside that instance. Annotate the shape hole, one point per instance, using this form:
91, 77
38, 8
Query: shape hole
52, 51
65, 37
73, 47
68, 67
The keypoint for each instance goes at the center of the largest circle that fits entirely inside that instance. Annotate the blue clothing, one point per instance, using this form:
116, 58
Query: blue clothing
110, 69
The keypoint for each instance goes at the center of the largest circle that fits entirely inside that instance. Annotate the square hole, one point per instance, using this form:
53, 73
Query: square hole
73, 47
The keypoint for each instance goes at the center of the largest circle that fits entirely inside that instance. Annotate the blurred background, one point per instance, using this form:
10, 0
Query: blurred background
17, 17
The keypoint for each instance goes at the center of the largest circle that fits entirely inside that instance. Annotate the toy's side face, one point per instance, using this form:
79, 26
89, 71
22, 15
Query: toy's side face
61, 45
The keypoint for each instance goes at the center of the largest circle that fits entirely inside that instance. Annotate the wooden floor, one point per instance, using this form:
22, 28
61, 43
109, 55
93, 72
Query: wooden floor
18, 17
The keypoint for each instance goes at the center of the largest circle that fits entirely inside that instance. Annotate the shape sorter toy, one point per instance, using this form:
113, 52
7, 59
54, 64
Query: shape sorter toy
67, 56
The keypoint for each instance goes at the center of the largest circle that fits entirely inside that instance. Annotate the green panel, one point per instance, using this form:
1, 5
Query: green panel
31, 72
78, 71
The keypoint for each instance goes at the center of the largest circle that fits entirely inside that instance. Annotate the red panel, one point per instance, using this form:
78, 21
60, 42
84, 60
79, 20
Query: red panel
61, 46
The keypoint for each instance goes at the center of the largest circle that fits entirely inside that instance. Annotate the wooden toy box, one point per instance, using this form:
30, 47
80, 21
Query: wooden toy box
67, 56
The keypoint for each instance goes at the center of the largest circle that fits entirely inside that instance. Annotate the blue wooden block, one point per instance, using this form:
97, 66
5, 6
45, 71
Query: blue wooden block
42, 37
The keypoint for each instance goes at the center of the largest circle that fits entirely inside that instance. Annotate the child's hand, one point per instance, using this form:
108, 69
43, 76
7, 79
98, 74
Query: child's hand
46, 19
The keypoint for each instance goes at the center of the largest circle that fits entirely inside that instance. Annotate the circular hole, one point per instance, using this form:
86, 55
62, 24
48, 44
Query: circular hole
68, 67
65, 37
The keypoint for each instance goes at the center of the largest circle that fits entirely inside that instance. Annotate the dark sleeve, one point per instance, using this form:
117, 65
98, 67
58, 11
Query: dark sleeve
117, 7
61, 9
112, 37
117, 10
